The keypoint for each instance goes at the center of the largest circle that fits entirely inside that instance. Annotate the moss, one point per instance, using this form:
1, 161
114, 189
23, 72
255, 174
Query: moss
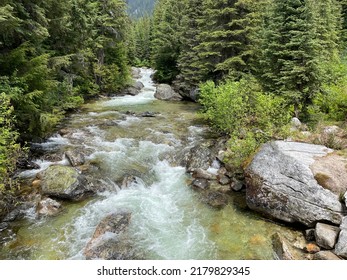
322, 180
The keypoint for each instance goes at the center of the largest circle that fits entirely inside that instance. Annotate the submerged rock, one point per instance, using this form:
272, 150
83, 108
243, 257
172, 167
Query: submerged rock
165, 92
280, 184
110, 240
48, 207
215, 199
65, 183
200, 157
282, 248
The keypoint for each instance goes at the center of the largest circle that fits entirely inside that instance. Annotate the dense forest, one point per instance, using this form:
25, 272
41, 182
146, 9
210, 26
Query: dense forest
255, 63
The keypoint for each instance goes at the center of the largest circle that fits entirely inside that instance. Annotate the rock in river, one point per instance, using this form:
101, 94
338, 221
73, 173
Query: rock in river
48, 207
165, 92
65, 183
280, 184
110, 240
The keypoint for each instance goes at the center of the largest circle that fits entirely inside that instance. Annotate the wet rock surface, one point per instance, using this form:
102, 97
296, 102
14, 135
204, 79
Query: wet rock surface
65, 182
48, 207
281, 185
166, 92
110, 240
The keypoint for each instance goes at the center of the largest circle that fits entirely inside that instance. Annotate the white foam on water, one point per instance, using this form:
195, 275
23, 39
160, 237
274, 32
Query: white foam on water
44, 164
102, 114
164, 223
215, 166
129, 121
145, 96
52, 143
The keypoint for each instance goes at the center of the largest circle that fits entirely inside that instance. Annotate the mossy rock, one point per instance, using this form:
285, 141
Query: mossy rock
65, 182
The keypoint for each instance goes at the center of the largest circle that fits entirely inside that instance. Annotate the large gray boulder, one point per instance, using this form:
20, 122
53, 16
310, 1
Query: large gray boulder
110, 240
341, 246
280, 184
65, 182
133, 89
165, 92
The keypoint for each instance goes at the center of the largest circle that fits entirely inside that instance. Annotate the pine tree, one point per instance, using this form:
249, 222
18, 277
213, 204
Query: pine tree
142, 32
226, 38
328, 33
188, 60
166, 42
290, 53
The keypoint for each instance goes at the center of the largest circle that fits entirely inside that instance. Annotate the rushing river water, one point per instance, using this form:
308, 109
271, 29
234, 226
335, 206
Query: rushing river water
169, 221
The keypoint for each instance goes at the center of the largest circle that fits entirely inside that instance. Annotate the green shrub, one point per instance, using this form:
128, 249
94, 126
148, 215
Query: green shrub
246, 113
9, 149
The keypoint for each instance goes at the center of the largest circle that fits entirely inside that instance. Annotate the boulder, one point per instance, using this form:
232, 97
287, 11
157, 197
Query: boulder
65, 183
281, 247
136, 72
48, 207
75, 158
134, 89
341, 246
281, 185
200, 157
165, 92
200, 173
325, 255
326, 235
185, 90
110, 240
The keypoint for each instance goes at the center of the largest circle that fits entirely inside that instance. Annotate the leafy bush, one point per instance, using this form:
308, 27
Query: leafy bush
243, 111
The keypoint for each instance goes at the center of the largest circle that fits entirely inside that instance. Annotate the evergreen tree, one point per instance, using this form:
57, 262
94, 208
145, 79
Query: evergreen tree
327, 26
290, 52
226, 38
142, 32
166, 42
189, 57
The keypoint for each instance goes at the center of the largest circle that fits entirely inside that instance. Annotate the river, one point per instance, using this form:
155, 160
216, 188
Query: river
169, 220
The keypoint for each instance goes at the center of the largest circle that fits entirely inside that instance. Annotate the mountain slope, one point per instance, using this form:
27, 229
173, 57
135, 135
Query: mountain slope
138, 8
